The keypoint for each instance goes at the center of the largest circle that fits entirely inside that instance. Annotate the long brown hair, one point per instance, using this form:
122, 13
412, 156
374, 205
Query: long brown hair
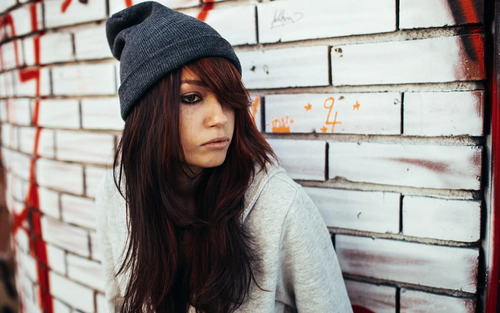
150, 155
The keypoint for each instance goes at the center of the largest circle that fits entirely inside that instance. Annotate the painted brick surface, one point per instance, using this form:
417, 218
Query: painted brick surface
279, 67
235, 24
416, 301
440, 59
302, 159
380, 299
443, 113
297, 20
91, 43
449, 167
84, 147
86, 79
59, 113
377, 113
65, 236
434, 13
367, 211
101, 113
61, 13
442, 219
56, 47
391, 151
444, 267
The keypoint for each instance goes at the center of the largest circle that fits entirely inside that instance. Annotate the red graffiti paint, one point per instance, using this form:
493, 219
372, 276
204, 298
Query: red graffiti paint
65, 5
128, 3
361, 309
31, 211
207, 7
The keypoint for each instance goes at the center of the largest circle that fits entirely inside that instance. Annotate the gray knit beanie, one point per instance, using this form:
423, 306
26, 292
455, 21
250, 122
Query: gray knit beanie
151, 40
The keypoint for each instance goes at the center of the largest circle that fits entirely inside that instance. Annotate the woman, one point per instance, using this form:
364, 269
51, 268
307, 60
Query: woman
210, 223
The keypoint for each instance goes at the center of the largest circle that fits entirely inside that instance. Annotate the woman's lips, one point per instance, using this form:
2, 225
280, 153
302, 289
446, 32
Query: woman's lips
217, 143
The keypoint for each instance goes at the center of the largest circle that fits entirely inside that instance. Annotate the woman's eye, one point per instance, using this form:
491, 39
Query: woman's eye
190, 99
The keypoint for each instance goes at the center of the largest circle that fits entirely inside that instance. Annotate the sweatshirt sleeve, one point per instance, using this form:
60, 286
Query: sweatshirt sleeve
103, 203
310, 267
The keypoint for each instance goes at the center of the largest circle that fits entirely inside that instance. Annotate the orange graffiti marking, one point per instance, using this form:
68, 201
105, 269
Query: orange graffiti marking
323, 129
280, 126
209, 5
330, 108
255, 107
65, 5
308, 106
356, 106
128, 3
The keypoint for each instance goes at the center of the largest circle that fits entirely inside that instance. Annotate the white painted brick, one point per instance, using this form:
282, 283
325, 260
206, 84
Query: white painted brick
68, 291
91, 43
29, 87
302, 159
6, 84
422, 302
56, 47
256, 111
366, 211
4, 5
88, 79
22, 18
436, 13
9, 136
442, 59
56, 258
59, 175
291, 67
49, 202
118, 5
31, 305
236, 24
281, 21
443, 113
19, 111
70, 238
12, 54
60, 307
27, 138
101, 113
20, 164
30, 50
78, 210
100, 303
362, 113
22, 239
3, 111
28, 265
59, 113
85, 271
94, 246
93, 175
442, 219
380, 299
16, 186
449, 167
85, 147
444, 267
77, 12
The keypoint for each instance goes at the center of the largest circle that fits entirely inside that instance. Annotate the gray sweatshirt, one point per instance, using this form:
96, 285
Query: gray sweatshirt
299, 270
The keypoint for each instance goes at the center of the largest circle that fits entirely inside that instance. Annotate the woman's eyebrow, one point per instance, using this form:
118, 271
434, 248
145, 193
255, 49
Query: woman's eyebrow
192, 82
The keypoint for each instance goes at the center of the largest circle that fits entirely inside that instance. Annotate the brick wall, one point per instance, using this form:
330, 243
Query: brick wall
375, 106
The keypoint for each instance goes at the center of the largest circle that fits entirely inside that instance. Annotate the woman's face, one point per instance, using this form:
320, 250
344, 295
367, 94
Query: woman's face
206, 126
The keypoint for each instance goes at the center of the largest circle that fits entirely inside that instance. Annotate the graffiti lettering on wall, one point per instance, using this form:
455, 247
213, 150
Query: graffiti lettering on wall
281, 18
29, 218
329, 116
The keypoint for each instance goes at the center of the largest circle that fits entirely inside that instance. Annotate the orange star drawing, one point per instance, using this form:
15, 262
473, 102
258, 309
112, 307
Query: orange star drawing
356, 106
308, 106
323, 129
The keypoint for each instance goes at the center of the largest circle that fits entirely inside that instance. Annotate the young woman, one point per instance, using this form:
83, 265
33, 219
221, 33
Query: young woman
197, 216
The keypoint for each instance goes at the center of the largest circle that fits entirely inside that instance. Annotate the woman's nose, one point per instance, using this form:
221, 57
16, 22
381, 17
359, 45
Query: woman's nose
216, 113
